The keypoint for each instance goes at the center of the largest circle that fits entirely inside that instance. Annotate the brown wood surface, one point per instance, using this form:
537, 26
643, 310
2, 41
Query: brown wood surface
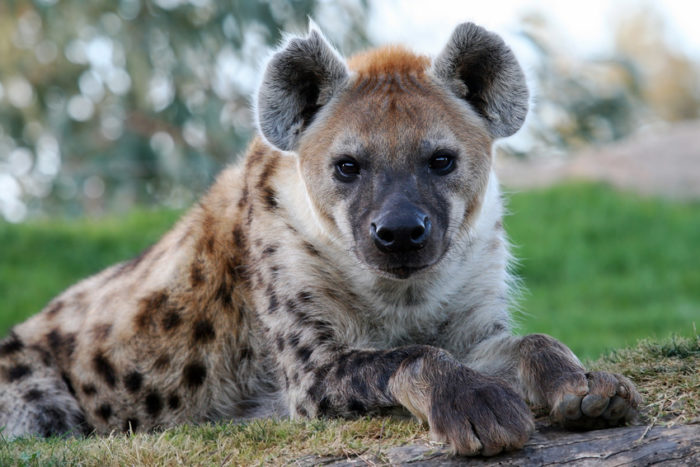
636, 446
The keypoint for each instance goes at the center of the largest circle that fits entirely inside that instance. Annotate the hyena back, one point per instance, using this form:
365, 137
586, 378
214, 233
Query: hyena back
354, 260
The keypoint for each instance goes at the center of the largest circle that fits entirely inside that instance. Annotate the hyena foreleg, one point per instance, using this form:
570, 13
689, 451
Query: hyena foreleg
476, 414
550, 376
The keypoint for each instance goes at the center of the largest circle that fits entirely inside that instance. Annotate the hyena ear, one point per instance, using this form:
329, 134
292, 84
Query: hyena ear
299, 79
479, 67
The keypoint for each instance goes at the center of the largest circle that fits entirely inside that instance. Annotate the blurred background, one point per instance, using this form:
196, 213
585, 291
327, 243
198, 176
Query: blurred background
115, 115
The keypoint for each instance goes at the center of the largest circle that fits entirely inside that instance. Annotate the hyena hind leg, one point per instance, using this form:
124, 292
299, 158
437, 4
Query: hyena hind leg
35, 399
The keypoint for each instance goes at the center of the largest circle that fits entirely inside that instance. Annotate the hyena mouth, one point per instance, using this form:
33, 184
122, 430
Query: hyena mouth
404, 272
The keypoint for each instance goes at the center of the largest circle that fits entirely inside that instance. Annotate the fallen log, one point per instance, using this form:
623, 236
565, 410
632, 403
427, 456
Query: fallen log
635, 446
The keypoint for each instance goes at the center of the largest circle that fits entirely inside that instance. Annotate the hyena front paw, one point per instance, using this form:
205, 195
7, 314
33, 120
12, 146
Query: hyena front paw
595, 400
479, 415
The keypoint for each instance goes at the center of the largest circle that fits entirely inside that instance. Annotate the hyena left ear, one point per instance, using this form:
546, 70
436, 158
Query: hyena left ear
298, 81
479, 67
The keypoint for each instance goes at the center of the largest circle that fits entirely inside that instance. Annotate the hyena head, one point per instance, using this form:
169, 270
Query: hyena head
394, 148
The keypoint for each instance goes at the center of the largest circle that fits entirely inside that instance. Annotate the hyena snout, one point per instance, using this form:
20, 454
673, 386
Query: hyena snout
400, 228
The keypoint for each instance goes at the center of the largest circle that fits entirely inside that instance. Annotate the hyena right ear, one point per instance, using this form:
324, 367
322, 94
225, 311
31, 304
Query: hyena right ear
298, 81
480, 68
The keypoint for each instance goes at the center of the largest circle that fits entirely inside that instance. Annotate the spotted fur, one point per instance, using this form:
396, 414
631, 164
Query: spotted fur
279, 295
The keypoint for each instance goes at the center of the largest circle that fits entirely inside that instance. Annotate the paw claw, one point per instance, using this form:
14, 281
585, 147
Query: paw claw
593, 405
571, 406
622, 391
616, 409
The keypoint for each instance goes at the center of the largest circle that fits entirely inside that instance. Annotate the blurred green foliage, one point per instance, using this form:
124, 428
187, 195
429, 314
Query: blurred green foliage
601, 269
109, 103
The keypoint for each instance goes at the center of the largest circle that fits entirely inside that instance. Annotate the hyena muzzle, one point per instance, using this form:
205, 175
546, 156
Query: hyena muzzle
354, 260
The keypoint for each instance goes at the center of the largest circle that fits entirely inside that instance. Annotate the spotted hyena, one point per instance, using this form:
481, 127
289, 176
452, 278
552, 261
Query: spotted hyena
354, 260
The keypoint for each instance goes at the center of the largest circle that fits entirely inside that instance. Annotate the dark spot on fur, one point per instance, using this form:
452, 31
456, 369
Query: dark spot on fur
161, 362
154, 403
54, 308
358, 385
104, 368
324, 405
148, 307
46, 356
304, 297
244, 198
280, 343
498, 225
11, 345
269, 198
171, 320
293, 339
104, 411
249, 218
291, 306
69, 384
196, 274
310, 249
51, 421
89, 389
102, 331
304, 353
273, 302
324, 332
133, 381
238, 238
18, 372
269, 250
61, 345
174, 401
203, 331
246, 353
131, 424
194, 374
354, 405
32, 395
302, 411
224, 292
267, 172
209, 244
295, 377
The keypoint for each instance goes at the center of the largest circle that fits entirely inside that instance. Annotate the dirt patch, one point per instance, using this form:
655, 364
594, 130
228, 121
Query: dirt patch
663, 160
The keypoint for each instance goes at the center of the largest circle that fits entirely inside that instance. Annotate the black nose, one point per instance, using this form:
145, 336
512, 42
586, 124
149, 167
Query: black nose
401, 232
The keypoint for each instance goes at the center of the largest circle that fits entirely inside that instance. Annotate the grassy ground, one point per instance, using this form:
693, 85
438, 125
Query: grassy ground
665, 373
601, 269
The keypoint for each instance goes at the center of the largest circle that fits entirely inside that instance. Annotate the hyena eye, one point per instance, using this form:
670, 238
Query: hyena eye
347, 169
442, 162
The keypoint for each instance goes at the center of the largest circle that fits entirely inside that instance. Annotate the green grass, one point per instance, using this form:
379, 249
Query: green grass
601, 269
41, 258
